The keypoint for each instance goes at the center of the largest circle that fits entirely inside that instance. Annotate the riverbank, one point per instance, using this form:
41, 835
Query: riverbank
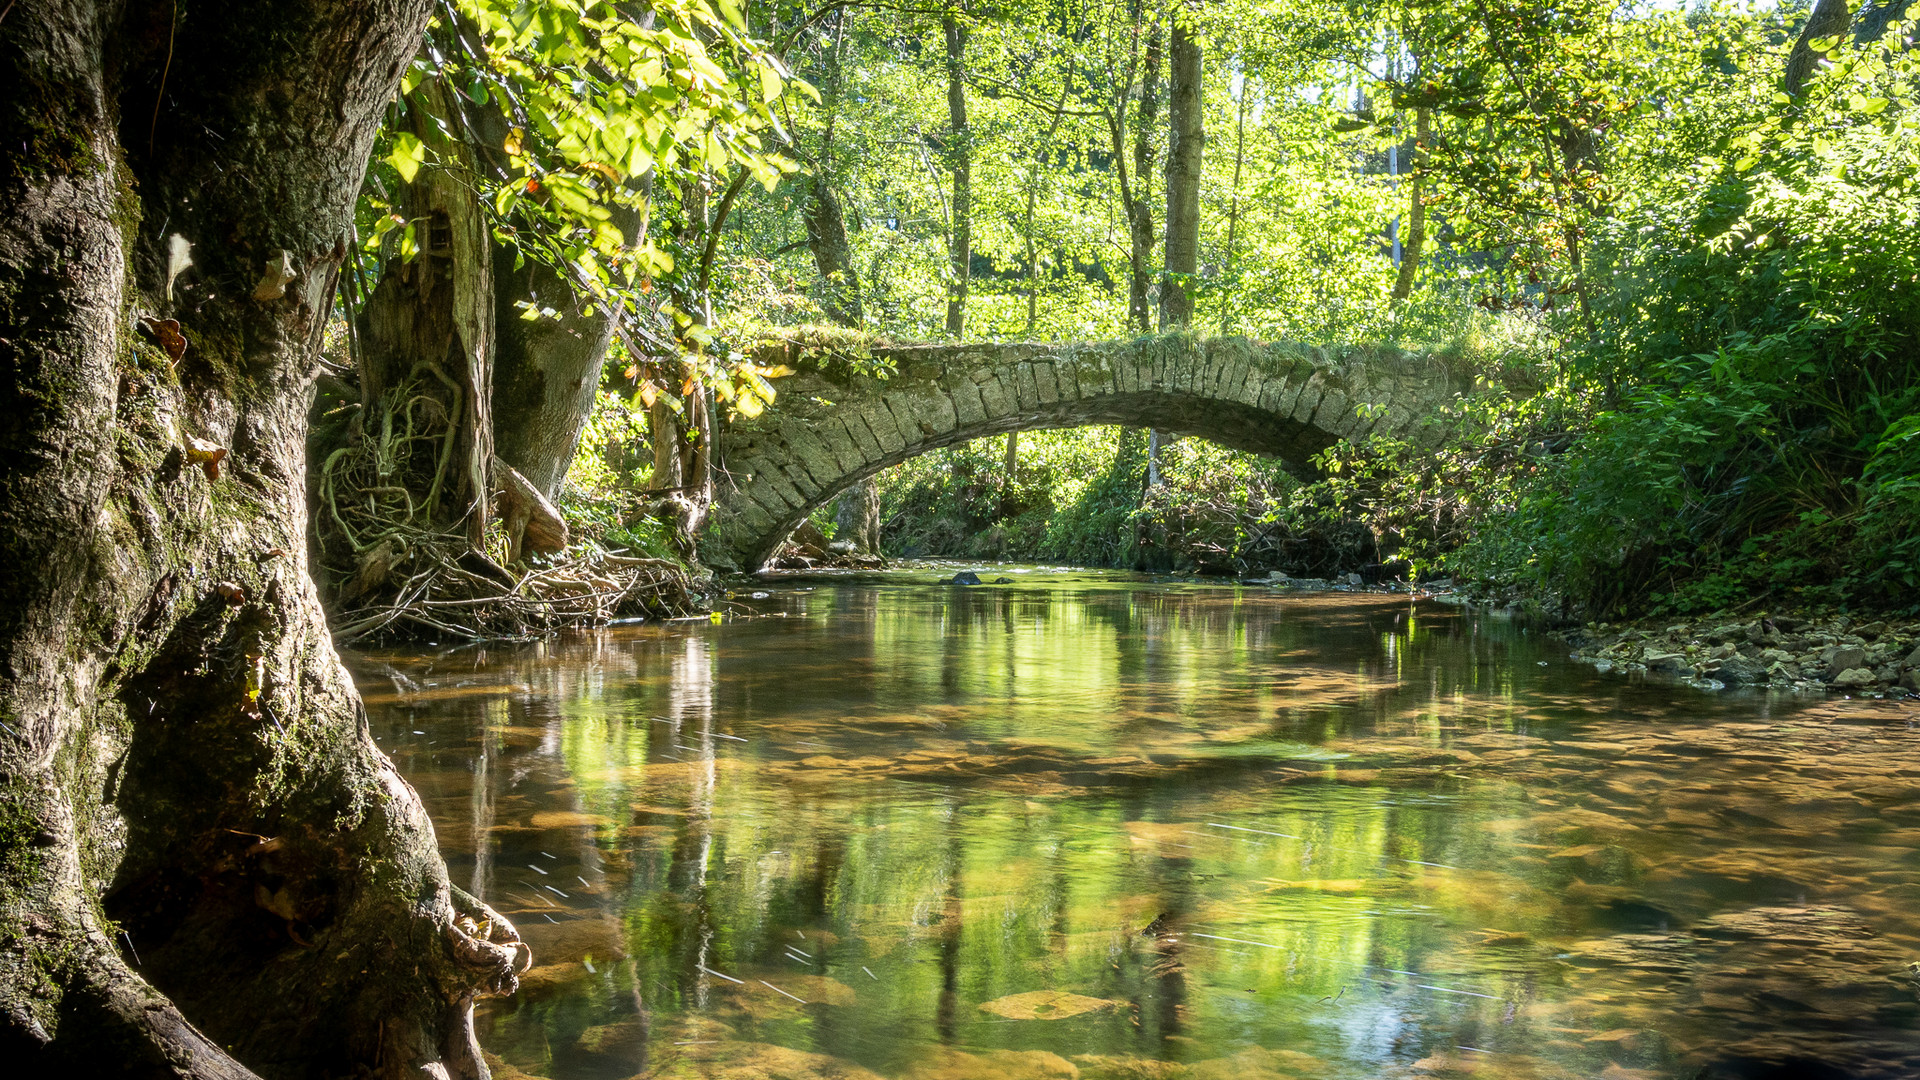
1837, 653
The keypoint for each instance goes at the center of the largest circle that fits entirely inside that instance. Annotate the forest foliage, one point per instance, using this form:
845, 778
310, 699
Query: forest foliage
1679, 242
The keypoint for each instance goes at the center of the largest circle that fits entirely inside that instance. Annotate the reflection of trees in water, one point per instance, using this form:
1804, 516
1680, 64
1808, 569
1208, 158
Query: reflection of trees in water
1417, 889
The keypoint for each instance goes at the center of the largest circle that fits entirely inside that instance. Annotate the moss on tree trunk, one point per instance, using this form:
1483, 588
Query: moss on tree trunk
206, 866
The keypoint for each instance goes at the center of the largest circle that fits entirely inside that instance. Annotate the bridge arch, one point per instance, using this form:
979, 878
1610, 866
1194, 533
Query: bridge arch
832, 427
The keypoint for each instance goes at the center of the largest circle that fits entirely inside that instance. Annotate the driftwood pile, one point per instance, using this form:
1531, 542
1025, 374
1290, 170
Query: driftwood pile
438, 585
809, 549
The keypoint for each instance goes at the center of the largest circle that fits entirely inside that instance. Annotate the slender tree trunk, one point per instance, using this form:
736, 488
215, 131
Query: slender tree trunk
694, 427
960, 159
826, 222
663, 431
180, 749
1185, 139
1012, 469
1139, 211
1033, 194
1416, 238
859, 506
1233, 208
1829, 18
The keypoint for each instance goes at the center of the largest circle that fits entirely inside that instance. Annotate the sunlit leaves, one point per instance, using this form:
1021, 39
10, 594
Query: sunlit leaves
578, 119
407, 155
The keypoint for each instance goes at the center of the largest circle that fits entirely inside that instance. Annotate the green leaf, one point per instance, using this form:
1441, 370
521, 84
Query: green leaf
408, 154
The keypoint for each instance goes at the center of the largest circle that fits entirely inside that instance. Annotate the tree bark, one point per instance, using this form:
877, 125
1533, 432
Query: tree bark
1186, 136
1829, 18
1416, 238
960, 160
663, 431
180, 750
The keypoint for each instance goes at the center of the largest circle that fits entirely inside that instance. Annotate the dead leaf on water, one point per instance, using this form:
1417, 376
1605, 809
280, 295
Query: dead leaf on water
1047, 1005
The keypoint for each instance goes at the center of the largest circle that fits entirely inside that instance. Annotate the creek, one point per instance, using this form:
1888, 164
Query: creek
1095, 825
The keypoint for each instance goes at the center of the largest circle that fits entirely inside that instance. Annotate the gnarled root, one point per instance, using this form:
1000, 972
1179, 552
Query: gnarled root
486, 944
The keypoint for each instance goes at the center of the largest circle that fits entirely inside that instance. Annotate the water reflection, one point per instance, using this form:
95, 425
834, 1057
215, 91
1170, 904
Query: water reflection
1124, 831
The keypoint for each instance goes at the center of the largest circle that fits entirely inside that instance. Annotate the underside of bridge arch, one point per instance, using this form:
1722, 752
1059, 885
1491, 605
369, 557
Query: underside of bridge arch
833, 425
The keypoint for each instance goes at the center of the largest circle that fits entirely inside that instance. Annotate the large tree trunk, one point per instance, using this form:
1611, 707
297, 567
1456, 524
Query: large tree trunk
545, 373
1185, 137
826, 222
833, 255
180, 749
960, 159
857, 516
428, 329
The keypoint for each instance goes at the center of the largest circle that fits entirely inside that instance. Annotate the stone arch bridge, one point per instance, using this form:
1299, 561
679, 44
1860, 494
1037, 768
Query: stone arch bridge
833, 426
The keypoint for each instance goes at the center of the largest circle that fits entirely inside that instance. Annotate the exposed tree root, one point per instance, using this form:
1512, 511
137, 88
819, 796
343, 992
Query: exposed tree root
399, 565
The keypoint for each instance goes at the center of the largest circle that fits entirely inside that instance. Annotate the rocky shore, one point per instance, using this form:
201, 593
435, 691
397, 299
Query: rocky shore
1835, 653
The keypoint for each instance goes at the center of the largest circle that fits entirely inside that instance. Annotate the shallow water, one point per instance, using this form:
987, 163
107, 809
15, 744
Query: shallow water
1085, 824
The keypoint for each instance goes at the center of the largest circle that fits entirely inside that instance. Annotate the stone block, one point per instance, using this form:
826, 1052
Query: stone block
993, 394
1044, 381
1025, 390
886, 431
863, 438
933, 407
967, 407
